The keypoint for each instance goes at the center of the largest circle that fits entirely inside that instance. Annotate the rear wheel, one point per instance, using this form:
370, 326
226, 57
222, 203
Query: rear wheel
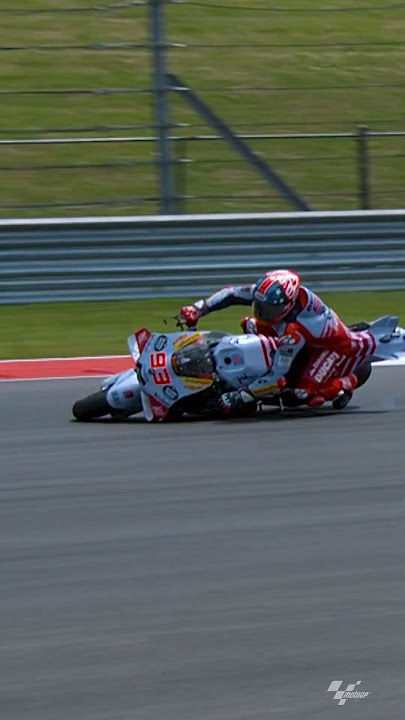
92, 406
363, 373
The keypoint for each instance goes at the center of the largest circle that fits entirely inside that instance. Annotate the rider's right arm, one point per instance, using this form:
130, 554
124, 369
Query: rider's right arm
225, 298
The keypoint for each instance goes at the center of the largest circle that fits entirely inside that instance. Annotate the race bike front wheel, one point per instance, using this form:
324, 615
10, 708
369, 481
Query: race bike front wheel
92, 406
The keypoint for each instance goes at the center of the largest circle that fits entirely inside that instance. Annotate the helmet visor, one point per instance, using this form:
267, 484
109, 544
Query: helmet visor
266, 312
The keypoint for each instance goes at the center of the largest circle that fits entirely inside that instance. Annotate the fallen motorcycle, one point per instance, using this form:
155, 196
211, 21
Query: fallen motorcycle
186, 372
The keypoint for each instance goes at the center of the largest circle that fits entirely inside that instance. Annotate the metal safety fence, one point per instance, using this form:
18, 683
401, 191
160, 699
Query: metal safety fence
124, 105
352, 151
191, 255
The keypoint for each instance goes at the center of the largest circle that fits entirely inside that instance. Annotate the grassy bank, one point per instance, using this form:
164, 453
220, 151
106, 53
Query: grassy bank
297, 70
66, 329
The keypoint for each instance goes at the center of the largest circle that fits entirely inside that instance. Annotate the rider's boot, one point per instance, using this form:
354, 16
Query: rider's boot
337, 390
342, 399
340, 390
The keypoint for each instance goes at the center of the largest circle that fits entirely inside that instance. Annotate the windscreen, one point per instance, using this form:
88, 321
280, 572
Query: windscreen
194, 360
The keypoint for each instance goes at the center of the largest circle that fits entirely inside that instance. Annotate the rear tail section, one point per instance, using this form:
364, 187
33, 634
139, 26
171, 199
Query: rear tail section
389, 338
383, 340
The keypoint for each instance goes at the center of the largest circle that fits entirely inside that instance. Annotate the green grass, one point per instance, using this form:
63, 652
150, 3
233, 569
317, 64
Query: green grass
101, 328
213, 170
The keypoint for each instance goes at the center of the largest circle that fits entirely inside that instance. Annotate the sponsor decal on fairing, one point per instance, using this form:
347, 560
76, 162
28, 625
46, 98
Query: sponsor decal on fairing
160, 343
185, 339
170, 393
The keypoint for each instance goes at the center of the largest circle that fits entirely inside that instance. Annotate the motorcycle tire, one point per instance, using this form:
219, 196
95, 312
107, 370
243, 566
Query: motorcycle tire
363, 373
92, 406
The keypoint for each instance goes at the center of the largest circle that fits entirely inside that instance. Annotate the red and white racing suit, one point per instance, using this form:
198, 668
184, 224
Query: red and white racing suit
311, 323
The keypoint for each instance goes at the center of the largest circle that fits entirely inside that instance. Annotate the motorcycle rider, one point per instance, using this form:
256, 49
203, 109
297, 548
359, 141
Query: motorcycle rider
287, 310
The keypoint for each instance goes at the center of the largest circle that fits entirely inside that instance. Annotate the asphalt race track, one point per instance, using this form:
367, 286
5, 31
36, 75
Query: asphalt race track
201, 571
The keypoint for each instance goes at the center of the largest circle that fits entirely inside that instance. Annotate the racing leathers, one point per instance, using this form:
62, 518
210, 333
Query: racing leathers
218, 301
312, 325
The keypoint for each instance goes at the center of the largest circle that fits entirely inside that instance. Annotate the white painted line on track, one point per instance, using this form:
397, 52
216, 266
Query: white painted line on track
382, 365
47, 379
54, 359
397, 362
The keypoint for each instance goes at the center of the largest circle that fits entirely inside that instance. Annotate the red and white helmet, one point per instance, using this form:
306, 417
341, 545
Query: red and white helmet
275, 295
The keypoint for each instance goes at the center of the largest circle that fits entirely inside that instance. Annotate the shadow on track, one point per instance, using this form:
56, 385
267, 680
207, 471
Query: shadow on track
268, 415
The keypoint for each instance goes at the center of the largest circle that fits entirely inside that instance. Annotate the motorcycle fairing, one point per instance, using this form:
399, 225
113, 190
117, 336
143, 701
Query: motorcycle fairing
241, 359
161, 386
153, 409
124, 392
389, 338
142, 337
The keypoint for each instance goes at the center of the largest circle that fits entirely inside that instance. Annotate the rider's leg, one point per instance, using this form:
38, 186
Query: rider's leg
362, 346
318, 382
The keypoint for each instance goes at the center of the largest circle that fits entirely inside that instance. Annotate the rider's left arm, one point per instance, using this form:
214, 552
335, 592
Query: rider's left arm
227, 296
274, 380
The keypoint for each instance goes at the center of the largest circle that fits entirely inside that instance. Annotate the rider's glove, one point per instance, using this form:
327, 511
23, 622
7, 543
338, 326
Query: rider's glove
248, 325
231, 401
190, 315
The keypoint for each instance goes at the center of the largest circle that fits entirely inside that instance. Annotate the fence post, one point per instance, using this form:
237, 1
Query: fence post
161, 109
363, 167
181, 174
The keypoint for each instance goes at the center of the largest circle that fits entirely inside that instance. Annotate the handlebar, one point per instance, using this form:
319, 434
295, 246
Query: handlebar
179, 323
